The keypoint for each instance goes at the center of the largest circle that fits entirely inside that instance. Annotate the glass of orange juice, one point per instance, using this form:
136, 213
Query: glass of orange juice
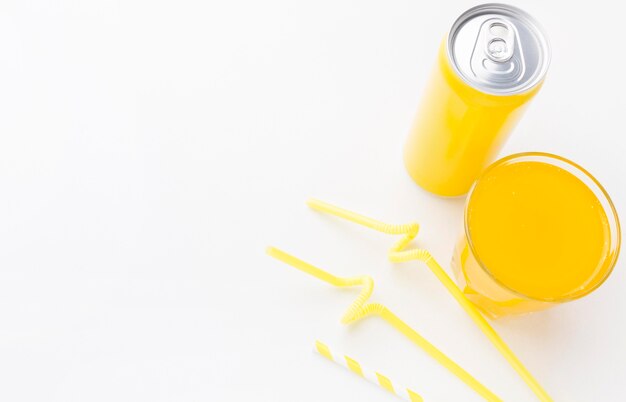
539, 231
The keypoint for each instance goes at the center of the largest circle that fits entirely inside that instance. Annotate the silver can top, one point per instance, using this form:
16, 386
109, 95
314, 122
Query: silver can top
498, 49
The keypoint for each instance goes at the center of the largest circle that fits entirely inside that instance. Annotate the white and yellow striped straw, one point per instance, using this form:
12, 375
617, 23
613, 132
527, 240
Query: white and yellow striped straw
372, 376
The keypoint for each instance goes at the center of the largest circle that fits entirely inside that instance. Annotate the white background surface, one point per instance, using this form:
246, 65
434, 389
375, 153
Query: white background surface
150, 150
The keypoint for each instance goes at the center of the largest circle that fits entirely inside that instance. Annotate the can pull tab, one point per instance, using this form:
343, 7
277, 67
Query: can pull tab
500, 40
497, 54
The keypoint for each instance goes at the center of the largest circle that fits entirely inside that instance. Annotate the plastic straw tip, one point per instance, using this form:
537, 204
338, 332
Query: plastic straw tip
311, 202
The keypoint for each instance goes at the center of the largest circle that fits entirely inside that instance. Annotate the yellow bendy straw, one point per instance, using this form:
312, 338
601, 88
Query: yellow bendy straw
398, 254
360, 309
372, 376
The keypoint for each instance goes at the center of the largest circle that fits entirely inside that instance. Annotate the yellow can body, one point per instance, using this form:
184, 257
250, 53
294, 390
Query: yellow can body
458, 130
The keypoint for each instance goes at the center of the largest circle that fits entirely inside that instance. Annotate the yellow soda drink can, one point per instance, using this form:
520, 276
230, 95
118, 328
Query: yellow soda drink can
490, 65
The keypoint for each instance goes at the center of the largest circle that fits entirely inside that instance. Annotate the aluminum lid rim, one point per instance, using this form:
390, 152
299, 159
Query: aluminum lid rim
532, 24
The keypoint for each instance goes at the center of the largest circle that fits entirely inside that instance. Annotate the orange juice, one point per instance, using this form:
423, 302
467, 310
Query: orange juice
490, 65
538, 230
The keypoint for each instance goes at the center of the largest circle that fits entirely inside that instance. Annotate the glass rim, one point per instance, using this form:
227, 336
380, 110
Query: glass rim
592, 183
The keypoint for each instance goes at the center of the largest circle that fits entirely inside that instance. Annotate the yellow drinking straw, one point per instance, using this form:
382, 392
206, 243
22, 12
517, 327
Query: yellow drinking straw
398, 254
360, 309
372, 376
